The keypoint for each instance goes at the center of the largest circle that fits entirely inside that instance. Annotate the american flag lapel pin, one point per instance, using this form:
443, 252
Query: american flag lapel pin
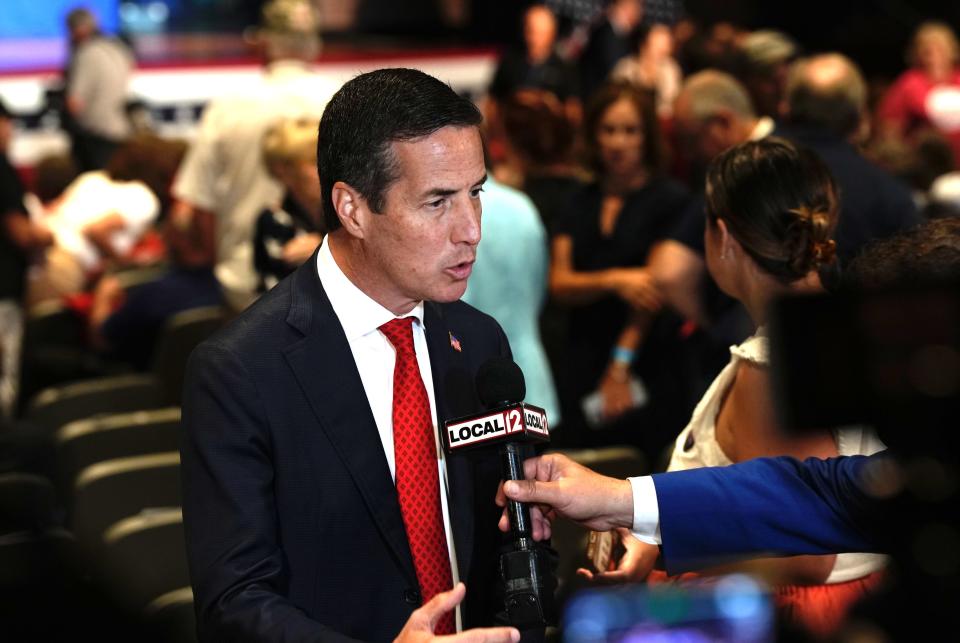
455, 343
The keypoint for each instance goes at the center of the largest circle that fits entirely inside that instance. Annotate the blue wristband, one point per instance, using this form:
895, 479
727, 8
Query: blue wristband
621, 354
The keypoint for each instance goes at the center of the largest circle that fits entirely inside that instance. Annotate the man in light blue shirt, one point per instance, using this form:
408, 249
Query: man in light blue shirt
509, 283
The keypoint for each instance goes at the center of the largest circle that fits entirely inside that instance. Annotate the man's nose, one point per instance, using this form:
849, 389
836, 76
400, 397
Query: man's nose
467, 224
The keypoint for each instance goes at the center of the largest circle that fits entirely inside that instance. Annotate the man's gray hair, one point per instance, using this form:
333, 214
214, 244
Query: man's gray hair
710, 92
828, 92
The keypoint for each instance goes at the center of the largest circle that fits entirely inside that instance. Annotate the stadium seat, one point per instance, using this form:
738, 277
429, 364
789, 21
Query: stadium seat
171, 615
145, 560
85, 442
113, 490
182, 333
59, 405
27, 503
56, 406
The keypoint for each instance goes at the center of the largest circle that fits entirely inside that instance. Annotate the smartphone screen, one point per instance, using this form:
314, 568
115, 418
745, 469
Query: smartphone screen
733, 608
604, 550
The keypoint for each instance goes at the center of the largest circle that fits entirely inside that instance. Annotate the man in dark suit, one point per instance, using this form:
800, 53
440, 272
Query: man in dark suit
318, 504
826, 111
609, 41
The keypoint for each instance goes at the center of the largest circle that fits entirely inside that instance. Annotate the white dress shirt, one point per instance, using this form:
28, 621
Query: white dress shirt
646, 510
375, 357
762, 129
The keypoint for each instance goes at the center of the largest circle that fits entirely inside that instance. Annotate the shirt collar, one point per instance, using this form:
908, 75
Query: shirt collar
762, 129
358, 313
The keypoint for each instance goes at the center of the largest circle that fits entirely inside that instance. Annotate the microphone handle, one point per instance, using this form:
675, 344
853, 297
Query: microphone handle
511, 461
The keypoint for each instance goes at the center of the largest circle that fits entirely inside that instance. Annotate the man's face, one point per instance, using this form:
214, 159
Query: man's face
702, 139
934, 54
80, 32
423, 244
630, 11
539, 32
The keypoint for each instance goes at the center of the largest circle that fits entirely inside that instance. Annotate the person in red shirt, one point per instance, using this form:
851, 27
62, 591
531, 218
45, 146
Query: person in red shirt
927, 94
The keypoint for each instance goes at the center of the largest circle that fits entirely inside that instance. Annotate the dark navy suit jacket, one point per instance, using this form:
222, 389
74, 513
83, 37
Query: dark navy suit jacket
293, 527
776, 506
873, 204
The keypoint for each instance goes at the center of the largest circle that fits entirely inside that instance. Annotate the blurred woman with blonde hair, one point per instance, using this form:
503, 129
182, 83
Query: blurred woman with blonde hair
287, 234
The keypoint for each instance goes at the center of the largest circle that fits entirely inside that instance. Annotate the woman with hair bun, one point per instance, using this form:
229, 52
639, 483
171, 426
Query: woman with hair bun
771, 212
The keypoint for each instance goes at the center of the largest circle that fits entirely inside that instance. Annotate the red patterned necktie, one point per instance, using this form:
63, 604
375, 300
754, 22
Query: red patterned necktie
418, 482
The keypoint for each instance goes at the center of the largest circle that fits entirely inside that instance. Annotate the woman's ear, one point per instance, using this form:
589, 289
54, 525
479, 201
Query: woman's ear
727, 241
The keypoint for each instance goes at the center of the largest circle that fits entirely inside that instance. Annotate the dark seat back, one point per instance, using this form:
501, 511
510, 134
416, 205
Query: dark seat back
113, 490
54, 407
108, 437
27, 503
182, 333
144, 557
172, 616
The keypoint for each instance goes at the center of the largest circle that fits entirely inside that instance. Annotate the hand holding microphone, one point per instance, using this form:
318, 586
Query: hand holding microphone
525, 570
555, 483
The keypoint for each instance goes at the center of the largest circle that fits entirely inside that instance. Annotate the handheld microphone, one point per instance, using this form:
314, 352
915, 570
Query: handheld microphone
525, 570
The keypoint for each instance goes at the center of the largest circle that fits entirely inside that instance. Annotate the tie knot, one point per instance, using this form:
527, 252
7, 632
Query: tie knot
400, 334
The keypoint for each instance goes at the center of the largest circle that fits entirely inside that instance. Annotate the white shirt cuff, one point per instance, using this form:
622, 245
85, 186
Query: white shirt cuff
646, 511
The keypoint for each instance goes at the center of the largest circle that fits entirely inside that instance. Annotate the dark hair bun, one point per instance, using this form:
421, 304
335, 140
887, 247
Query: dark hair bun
808, 244
779, 202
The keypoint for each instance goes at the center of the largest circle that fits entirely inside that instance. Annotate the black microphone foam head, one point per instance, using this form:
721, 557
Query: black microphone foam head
500, 381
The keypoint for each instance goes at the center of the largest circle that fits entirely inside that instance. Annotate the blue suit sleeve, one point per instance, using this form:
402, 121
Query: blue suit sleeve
767, 506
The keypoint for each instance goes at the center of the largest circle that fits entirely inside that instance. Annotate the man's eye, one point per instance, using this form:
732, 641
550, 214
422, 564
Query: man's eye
475, 192
438, 203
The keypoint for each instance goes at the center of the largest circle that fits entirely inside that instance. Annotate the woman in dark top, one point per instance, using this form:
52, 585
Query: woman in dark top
599, 252
287, 234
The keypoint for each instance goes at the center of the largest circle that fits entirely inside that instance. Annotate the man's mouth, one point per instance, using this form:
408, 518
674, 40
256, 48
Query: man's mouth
461, 270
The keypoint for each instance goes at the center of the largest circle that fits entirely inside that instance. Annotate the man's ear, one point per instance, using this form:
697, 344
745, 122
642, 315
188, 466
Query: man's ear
724, 120
351, 208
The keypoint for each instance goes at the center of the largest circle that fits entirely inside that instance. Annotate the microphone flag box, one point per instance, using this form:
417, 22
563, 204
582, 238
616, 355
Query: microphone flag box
512, 423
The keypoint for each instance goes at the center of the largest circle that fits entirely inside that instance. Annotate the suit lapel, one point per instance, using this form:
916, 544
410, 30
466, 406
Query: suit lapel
338, 400
446, 368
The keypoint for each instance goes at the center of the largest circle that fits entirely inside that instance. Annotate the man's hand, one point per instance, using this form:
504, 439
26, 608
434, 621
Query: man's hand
635, 564
419, 627
556, 484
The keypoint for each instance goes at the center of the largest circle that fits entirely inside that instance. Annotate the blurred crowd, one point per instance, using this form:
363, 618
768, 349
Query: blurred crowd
606, 120
599, 138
